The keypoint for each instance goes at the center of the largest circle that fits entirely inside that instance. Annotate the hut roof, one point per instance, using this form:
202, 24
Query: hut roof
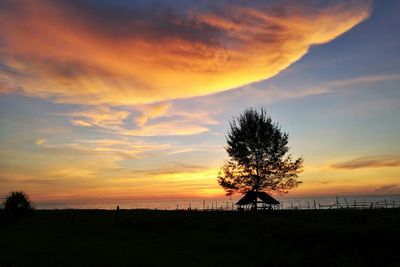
251, 196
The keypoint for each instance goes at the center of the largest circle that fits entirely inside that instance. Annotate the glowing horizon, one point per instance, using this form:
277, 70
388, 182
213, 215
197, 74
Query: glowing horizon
132, 100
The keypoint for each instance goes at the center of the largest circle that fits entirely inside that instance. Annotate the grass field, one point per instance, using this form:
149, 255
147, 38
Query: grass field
172, 238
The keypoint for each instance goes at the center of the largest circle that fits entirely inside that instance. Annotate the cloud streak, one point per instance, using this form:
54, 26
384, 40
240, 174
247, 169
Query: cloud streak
40, 141
369, 162
275, 93
385, 189
159, 119
80, 53
101, 116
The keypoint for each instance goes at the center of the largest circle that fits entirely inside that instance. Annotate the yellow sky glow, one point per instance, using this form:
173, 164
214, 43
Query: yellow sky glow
118, 91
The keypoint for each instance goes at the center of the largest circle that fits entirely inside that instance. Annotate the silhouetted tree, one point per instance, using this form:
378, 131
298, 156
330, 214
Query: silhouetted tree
257, 149
17, 201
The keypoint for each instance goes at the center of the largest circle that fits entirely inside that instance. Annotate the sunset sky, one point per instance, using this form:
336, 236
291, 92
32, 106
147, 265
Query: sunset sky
132, 99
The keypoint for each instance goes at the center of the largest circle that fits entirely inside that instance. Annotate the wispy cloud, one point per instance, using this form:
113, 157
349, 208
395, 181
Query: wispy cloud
168, 128
385, 188
81, 123
112, 150
166, 110
74, 52
151, 112
40, 141
362, 80
173, 169
369, 162
331, 86
171, 121
274, 93
102, 116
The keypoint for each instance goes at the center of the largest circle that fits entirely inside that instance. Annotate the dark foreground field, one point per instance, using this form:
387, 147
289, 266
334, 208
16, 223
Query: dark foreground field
171, 238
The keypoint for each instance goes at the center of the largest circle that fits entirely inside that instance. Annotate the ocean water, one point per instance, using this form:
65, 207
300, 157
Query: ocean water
226, 203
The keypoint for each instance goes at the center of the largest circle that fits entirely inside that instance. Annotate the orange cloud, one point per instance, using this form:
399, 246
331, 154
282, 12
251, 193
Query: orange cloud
175, 122
79, 54
151, 112
81, 123
167, 111
99, 116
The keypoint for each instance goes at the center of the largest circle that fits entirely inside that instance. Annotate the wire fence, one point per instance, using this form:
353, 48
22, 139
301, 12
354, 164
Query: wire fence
307, 205
340, 204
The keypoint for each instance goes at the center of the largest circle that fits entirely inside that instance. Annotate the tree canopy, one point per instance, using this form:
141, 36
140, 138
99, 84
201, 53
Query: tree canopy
258, 156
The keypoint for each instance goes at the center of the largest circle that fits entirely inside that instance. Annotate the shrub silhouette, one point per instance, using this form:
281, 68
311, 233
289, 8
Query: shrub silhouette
17, 201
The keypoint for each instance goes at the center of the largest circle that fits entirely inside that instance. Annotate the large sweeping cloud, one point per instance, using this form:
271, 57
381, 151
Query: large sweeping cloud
131, 52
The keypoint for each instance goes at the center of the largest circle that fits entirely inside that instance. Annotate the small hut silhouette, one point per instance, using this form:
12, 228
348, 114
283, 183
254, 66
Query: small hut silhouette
252, 198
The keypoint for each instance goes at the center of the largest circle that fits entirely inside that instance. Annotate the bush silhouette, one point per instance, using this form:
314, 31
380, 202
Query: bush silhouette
17, 201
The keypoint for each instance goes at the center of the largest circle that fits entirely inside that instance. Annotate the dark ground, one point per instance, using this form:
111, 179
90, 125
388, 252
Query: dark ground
172, 238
